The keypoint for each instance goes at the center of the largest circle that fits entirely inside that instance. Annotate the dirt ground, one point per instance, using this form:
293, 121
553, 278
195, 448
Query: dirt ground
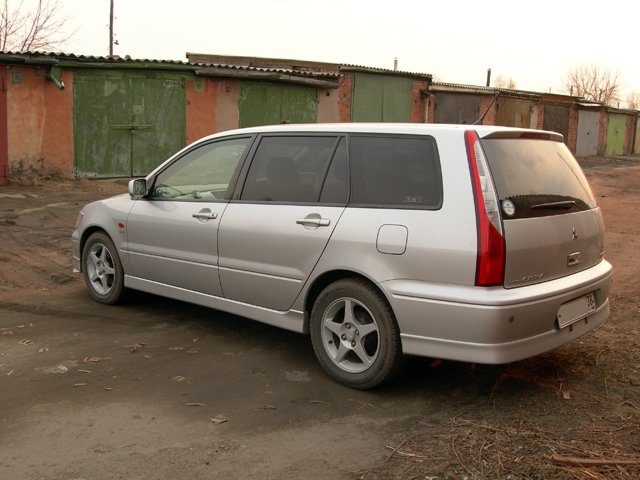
159, 389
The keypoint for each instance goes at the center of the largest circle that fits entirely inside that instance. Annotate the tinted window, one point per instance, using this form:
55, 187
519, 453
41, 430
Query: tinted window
288, 169
336, 187
395, 171
203, 173
540, 177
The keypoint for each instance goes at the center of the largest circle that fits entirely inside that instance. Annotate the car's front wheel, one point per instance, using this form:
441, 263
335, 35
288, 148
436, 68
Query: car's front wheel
102, 269
355, 335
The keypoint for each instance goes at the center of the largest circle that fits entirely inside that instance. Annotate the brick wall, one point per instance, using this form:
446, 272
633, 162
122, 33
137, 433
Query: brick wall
345, 89
201, 99
431, 108
4, 148
540, 121
418, 102
39, 122
602, 132
636, 145
572, 134
490, 117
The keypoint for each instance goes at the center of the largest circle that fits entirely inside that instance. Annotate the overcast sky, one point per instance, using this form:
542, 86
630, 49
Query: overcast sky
533, 42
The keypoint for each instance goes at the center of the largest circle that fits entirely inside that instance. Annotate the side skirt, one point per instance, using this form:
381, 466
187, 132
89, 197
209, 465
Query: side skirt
290, 320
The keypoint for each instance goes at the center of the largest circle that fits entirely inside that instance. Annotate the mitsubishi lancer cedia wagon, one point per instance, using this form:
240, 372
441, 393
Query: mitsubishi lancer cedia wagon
473, 243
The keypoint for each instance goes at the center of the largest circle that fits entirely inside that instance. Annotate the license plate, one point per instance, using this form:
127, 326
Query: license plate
577, 309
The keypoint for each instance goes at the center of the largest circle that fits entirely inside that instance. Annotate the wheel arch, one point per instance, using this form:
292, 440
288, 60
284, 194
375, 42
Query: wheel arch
327, 278
85, 236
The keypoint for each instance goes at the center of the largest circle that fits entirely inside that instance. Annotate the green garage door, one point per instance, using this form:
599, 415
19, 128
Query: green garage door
126, 124
380, 98
274, 103
616, 131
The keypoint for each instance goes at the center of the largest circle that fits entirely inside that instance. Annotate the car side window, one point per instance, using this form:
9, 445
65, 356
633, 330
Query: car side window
202, 174
288, 169
395, 171
336, 185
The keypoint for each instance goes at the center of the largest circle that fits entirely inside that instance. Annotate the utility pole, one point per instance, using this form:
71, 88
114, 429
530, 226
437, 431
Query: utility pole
111, 30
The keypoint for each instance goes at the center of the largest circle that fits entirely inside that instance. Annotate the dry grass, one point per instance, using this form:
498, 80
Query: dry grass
570, 414
474, 449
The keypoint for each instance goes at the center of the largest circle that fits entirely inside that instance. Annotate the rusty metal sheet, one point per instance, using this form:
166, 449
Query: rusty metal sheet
556, 119
512, 112
456, 108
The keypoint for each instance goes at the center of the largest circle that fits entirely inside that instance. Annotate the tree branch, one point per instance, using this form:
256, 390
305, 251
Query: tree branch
40, 28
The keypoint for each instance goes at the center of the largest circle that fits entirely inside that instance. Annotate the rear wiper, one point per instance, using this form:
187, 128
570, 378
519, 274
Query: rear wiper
564, 205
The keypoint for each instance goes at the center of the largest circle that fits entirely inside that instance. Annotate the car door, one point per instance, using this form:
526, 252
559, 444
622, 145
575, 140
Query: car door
272, 236
172, 232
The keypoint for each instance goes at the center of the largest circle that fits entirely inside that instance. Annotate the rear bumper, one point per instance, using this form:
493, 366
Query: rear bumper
493, 325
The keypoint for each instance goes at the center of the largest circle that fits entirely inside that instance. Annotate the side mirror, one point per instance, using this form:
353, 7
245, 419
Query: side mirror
138, 187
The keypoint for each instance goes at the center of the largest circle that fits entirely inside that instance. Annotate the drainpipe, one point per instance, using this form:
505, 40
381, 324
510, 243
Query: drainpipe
55, 76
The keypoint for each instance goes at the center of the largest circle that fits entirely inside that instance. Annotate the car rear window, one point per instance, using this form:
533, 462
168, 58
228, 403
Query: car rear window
540, 177
395, 171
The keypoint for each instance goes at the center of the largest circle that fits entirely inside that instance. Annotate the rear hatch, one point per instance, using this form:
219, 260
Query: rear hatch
552, 225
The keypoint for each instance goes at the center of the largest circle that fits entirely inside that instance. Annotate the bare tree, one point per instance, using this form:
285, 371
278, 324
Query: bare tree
503, 82
633, 101
593, 83
32, 25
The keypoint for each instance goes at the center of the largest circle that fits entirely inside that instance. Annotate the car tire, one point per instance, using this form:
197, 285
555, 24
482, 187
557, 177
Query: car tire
355, 335
102, 269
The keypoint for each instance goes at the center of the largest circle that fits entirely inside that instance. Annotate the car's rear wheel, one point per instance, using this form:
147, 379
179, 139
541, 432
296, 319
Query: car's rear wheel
102, 269
355, 334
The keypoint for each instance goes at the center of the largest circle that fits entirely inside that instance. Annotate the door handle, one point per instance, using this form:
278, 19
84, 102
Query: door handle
316, 222
205, 215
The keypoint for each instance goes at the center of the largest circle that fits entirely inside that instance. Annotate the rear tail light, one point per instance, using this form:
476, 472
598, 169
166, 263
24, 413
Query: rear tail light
491, 248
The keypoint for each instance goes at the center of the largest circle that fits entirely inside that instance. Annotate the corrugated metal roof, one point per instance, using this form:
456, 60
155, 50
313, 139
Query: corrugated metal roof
86, 58
588, 103
451, 87
264, 62
624, 111
50, 57
349, 67
287, 71
296, 65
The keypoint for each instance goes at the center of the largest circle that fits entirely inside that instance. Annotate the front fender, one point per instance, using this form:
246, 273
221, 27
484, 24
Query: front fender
109, 215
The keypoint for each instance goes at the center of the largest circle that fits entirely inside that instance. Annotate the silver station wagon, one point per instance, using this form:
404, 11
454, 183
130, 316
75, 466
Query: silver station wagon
472, 243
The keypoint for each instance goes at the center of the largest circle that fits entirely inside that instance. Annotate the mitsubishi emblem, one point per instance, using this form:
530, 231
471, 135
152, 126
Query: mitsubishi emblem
575, 235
